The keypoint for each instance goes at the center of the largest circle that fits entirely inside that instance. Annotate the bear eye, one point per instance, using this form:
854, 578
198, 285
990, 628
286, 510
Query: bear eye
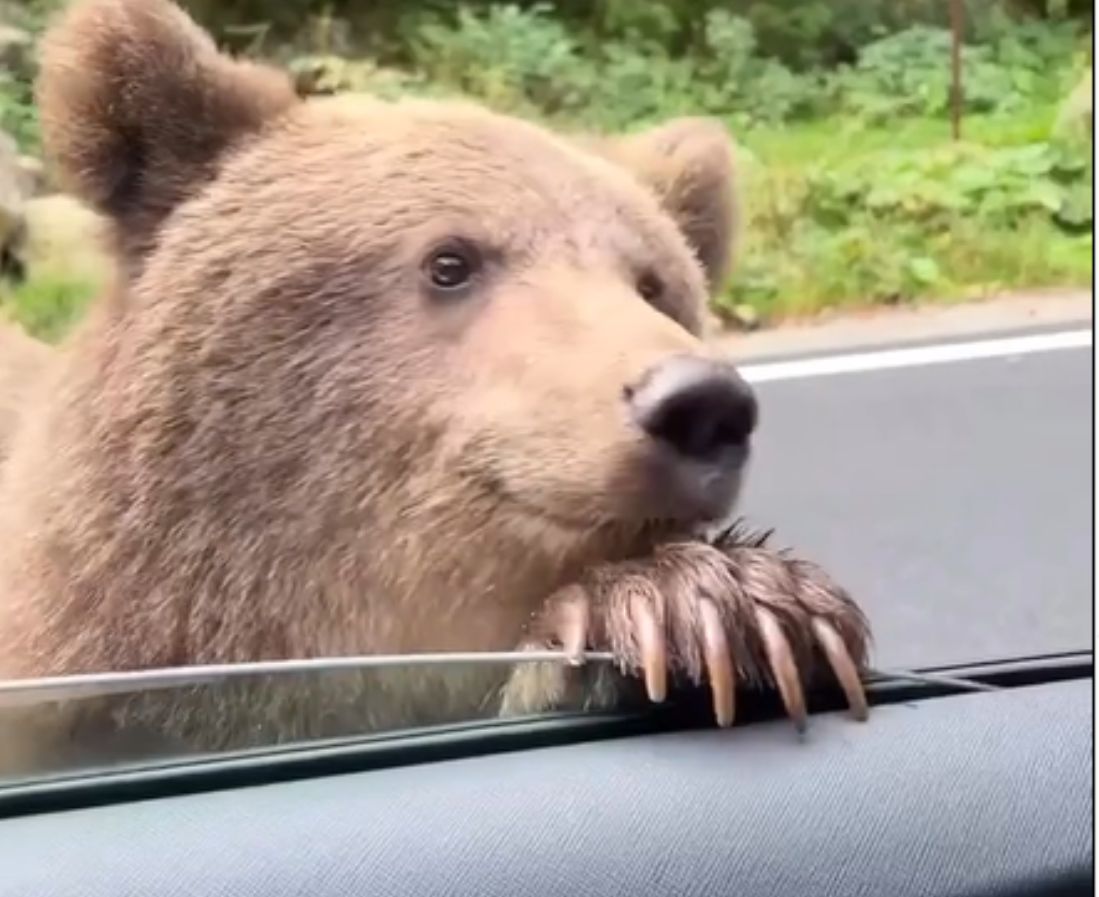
650, 287
452, 267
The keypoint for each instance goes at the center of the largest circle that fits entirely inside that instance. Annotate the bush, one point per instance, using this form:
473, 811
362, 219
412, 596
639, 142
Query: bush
539, 68
856, 194
518, 60
735, 80
890, 225
997, 187
909, 73
18, 116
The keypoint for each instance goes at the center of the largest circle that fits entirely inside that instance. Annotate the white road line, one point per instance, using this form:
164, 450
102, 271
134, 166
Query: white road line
915, 356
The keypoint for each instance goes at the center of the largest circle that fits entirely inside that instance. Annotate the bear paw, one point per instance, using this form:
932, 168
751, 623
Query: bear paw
731, 610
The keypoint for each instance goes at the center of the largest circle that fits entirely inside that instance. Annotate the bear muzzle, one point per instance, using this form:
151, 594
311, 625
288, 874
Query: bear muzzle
698, 415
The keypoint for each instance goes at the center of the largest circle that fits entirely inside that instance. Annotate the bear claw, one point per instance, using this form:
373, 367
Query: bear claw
730, 612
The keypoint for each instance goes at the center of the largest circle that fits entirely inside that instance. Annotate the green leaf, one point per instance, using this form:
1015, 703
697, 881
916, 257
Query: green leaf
1046, 194
924, 270
1077, 210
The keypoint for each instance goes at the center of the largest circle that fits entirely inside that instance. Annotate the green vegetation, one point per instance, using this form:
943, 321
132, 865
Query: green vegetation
46, 305
855, 191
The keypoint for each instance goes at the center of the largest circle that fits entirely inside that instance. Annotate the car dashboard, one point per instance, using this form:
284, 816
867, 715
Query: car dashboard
945, 793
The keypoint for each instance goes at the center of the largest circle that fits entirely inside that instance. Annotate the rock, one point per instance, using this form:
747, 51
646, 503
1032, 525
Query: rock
325, 75
16, 51
63, 240
33, 173
13, 195
745, 317
21, 177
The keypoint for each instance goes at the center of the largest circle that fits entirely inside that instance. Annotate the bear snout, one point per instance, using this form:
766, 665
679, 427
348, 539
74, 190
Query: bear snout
698, 414
701, 408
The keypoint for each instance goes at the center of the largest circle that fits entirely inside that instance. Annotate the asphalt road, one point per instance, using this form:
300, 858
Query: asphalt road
953, 499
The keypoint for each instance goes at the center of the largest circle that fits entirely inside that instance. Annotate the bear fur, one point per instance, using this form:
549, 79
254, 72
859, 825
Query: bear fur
272, 440
24, 363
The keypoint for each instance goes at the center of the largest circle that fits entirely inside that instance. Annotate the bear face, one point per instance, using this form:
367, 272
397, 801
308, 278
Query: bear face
380, 378
376, 376
470, 281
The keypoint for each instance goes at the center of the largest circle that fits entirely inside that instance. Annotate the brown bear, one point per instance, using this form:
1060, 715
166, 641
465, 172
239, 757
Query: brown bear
24, 362
382, 378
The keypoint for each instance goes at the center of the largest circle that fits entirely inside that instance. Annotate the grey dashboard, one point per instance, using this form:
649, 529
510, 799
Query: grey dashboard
969, 794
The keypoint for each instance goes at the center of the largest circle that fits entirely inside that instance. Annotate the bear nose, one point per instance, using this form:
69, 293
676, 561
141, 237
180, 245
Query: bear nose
700, 407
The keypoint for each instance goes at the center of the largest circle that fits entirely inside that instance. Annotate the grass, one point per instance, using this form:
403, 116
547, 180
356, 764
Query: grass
47, 305
791, 266
830, 140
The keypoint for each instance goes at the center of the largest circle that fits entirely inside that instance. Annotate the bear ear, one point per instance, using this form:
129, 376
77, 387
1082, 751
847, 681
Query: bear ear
689, 165
137, 105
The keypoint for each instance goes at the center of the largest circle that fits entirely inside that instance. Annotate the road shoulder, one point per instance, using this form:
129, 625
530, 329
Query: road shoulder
928, 323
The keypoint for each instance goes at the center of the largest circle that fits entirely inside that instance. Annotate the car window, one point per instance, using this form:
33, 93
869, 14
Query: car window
162, 717
368, 369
